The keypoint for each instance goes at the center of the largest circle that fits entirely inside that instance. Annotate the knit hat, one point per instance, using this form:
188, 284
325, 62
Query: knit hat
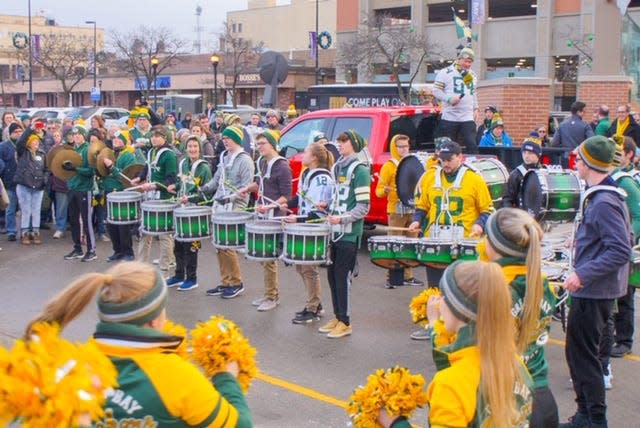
496, 121
232, 118
79, 130
356, 139
123, 136
491, 107
531, 145
141, 114
162, 131
271, 137
218, 113
460, 304
140, 311
597, 152
438, 142
466, 53
619, 142
319, 137
498, 241
13, 126
235, 133
448, 149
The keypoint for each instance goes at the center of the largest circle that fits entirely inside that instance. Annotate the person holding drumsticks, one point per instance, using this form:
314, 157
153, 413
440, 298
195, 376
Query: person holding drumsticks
452, 203
159, 173
193, 171
314, 196
120, 233
273, 184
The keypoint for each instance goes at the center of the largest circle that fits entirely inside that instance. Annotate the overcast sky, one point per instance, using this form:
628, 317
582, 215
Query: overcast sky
125, 15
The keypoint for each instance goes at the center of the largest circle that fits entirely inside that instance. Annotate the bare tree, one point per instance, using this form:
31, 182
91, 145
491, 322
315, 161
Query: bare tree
134, 51
381, 40
240, 56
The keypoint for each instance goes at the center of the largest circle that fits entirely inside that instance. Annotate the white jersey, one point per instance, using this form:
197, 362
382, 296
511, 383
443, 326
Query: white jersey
449, 83
316, 186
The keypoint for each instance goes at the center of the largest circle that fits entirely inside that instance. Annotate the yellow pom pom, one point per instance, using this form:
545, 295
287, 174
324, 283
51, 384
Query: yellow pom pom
418, 306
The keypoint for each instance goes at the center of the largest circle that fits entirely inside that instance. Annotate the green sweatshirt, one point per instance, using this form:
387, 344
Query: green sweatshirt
83, 180
112, 182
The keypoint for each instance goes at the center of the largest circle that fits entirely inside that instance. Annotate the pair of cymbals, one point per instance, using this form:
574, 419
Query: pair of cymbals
94, 150
131, 172
62, 156
105, 153
55, 150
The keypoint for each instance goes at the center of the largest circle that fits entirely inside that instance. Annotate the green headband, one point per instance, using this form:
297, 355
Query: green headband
501, 243
462, 307
146, 308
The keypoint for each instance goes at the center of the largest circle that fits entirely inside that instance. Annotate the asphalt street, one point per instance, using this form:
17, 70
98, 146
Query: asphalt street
306, 378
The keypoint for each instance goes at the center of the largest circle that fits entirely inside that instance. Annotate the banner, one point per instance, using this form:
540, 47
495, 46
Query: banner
477, 12
313, 44
35, 45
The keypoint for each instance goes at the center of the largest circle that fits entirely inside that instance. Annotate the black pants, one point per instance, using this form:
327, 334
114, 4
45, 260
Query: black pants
433, 276
606, 345
462, 132
624, 319
587, 319
186, 259
121, 242
80, 207
343, 260
544, 412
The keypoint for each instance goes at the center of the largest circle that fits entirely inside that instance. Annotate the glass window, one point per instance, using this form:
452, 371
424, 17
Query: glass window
362, 125
297, 138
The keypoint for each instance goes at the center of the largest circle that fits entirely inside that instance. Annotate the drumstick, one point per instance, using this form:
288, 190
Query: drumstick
125, 177
556, 264
278, 206
282, 217
400, 229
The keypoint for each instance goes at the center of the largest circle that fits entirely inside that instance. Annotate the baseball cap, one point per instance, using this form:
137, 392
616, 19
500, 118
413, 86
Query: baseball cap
448, 149
319, 137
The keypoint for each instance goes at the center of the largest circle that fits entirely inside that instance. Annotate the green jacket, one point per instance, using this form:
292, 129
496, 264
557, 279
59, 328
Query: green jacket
602, 128
632, 189
352, 187
193, 179
112, 182
83, 180
164, 168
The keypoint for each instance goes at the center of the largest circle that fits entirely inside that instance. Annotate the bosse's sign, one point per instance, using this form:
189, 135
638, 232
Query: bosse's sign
244, 79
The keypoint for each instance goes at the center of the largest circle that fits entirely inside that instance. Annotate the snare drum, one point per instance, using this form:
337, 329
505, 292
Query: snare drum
306, 244
404, 250
551, 195
634, 270
192, 223
381, 251
123, 207
435, 252
264, 240
467, 249
229, 229
157, 217
493, 173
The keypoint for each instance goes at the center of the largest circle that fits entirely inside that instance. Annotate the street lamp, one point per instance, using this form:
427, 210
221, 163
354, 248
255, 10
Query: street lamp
30, 94
154, 65
215, 60
95, 70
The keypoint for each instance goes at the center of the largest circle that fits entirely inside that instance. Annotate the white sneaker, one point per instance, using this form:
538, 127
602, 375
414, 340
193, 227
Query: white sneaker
608, 378
156, 261
259, 301
268, 305
59, 234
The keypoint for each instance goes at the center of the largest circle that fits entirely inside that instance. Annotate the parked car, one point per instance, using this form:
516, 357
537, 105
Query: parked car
111, 115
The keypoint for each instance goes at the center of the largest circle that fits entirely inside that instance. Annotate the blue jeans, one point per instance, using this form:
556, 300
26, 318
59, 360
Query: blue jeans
62, 211
10, 212
30, 203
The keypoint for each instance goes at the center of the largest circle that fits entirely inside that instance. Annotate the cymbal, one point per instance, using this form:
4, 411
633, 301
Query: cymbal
105, 153
132, 171
60, 158
54, 151
94, 149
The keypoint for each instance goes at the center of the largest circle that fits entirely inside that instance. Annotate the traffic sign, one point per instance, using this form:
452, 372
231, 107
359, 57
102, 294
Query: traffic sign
95, 94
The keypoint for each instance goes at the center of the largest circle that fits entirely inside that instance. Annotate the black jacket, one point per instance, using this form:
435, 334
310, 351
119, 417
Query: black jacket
633, 130
511, 197
31, 167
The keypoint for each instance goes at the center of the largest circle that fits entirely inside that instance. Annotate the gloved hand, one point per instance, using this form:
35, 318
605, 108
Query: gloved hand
68, 166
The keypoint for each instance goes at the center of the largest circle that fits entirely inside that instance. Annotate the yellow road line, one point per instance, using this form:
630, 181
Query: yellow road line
629, 357
301, 390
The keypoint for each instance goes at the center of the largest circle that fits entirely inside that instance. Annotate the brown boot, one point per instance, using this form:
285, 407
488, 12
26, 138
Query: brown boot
36, 238
25, 239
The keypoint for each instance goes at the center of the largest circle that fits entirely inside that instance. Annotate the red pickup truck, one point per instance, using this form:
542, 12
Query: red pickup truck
376, 125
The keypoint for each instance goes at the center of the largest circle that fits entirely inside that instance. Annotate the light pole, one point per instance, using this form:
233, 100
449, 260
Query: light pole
154, 65
215, 60
315, 48
30, 94
95, 69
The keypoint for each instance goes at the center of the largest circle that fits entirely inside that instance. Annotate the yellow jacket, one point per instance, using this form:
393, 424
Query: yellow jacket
388, 178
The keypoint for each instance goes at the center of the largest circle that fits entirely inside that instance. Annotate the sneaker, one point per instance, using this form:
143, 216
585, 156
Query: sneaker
233, 291
258, 302
319, 310
607, 381
619, 350
421, 334
114, 257
579, 420
59, 234
174, 281
156, 261
305, 317
11, 237
75, 254
89, 256
216, 291
128, 258
189, 284
104, 238
328, 327
340, 330
267, 305
413, 281
389, 286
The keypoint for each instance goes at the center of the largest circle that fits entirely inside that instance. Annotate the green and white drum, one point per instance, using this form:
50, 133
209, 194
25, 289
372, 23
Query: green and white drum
264, 240
306, 244
192, 223
157, 217
382, 251
437, 253
551, 195
229, 229
467, 249
404, 250
123, 207
494, 174
634, 270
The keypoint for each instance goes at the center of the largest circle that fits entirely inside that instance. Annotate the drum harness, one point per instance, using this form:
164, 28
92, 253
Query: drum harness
189, 178
224, 183
261, 177
401, 208
305, 203
454, 230
341, 229
153, 166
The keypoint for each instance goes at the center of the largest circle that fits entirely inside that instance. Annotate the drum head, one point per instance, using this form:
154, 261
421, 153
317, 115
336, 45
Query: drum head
531, 197
410, 169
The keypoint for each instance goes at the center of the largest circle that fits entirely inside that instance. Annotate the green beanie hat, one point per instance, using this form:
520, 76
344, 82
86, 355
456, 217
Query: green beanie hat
466, 53
597, 152
496, 121
235, 133
271, 137
77, 129
356, 139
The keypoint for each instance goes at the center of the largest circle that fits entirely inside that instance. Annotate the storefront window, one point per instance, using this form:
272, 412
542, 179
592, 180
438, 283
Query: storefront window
631, 54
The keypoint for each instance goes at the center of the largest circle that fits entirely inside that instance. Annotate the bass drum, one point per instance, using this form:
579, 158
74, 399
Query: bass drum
493, 172
410, 169
551, 195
